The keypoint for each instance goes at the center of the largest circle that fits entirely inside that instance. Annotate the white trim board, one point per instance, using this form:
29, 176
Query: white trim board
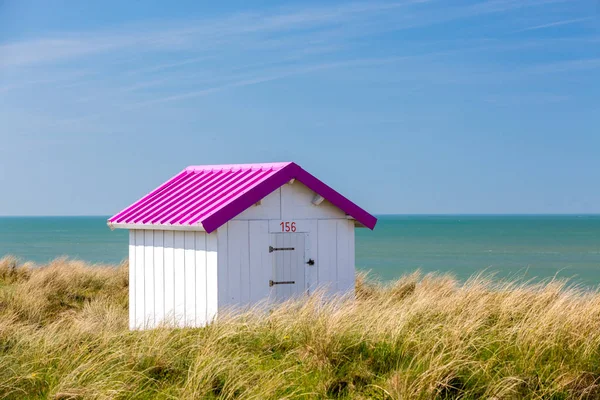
117, 225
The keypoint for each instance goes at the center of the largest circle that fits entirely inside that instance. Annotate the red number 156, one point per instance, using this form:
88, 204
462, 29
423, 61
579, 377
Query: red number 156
288, 226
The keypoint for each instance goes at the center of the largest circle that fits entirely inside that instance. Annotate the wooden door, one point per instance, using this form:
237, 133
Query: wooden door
289, 263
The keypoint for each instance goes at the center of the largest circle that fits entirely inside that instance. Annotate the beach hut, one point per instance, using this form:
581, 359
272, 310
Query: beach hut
222, 236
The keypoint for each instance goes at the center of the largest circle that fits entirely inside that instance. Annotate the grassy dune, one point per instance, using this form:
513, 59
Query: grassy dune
63, 335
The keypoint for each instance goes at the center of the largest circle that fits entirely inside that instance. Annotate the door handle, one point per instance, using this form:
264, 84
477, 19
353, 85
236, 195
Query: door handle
310, 261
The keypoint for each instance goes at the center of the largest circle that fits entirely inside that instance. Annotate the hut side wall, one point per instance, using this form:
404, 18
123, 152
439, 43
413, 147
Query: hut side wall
173, 278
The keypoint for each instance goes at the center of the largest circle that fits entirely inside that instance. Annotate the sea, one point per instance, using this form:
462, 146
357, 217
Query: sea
521, 247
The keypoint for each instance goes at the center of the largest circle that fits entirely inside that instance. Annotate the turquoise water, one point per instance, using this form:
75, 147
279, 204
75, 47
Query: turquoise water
518, 246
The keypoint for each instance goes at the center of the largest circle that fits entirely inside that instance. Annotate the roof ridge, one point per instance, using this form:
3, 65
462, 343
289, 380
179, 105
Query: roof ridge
275, 165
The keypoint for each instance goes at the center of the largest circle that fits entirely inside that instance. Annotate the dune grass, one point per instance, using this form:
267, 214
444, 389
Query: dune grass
63, 335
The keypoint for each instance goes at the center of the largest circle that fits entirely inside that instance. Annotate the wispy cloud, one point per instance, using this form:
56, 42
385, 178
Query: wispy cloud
184, 35
204, 35
145, 64
526, 99
165, 66
565, 66
267, 78
554, 24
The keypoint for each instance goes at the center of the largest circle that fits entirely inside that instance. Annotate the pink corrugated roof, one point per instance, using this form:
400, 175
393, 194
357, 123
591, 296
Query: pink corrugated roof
211, 195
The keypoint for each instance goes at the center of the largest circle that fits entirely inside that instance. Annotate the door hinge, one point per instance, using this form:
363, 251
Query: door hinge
272, 282
272, 249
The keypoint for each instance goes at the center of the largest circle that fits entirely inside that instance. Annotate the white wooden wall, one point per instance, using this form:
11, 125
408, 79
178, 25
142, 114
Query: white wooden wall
245, 262
176, 277
243, 243
172, 278
291, 201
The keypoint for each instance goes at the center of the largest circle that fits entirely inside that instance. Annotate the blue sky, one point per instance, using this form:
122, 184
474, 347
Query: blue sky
405, 107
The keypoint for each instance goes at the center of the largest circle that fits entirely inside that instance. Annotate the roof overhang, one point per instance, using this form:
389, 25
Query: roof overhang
162, 227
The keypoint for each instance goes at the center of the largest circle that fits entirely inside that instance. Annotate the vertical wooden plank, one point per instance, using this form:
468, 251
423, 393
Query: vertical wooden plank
273, 264
244, 252
132, 277
190, 278
245, 263
280, 268
312, 253
200, 286
159, 277
179, 268
327, 254
212, 276
223, 265
306, 266
300, 264
149, 277
260, 265
275, 274
140, 310
169, 255
345, 271
287, 262
277, 265
352, 254
238, 268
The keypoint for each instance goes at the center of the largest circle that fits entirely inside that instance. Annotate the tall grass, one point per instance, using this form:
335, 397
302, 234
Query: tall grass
63, 335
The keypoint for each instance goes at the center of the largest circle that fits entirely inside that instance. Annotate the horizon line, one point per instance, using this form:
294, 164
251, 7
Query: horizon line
376, 214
